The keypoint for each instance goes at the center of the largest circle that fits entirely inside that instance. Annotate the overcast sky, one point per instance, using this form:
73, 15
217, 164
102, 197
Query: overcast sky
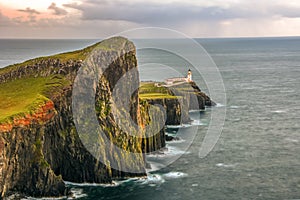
102, 18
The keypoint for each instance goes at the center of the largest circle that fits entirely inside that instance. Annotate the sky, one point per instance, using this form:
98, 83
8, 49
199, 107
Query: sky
194, 18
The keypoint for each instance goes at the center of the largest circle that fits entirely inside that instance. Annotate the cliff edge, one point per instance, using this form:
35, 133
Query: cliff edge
39, 144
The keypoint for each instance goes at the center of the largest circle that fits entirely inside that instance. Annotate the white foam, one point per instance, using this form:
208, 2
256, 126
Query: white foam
172, 175
218, 105
234, 107
236, 119
179, 126
225, 165
197, 123
279, 111
77, 193
152, 180
196, 111
113, 184
45, 198
292, 140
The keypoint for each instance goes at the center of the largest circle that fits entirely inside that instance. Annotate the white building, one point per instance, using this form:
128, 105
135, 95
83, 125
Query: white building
171, 81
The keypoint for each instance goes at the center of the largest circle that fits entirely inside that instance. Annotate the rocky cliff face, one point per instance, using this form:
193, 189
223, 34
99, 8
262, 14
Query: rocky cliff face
176, 100
41, 149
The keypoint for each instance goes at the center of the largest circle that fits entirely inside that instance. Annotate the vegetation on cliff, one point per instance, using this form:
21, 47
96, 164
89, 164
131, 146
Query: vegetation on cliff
23, 96
149, 90
39, 143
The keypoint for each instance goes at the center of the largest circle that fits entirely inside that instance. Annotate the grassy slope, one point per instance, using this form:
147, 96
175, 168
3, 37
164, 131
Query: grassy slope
19, 97
22, 96
148, 90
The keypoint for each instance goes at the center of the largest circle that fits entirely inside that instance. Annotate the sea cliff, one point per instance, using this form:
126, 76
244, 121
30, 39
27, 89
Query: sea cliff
40, 146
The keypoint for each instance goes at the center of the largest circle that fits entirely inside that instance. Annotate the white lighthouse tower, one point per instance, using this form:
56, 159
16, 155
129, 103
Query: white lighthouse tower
189, 76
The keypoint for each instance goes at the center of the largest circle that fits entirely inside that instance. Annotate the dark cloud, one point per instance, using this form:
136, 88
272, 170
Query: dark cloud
57, 10
29, 11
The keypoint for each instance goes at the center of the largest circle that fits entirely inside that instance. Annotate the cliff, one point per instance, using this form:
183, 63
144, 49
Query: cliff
40, 147
176, 100
81, 117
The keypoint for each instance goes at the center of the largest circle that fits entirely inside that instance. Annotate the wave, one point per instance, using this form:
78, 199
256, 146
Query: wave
172, 175
152, 180
168, 151
178, 126
157, 179
219, 105
225, 165
77, 193
196, 111
113, 184
279, 111
197, 123
49, 198
292, 140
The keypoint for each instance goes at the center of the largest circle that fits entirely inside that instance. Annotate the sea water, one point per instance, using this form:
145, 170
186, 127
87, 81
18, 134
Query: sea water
258, 153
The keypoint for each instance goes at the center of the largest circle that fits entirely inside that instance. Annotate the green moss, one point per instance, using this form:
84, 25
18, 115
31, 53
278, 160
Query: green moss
23, 96
156, 96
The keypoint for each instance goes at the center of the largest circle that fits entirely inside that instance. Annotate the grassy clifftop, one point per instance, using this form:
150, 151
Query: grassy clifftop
22, 96
28, 85
149, 90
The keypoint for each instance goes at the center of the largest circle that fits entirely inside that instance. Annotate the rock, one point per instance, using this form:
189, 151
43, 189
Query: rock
171, 138
42, 149
39, 154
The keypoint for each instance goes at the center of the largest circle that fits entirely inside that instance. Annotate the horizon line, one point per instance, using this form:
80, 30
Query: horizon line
102, 38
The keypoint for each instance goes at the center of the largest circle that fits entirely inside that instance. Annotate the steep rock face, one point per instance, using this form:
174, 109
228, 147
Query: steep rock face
178, 100
175, 112
42, 149
152, 121
36, 156
201, 99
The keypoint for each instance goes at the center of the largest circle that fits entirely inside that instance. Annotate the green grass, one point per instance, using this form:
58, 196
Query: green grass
63, 57
156, 96
19, 97
149, 90
23, 96
149, 87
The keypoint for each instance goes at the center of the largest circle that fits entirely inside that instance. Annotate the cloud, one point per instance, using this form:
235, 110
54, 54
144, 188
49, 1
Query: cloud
147, 12
197, 18
56, 10
170, 13
29, 11
5, 21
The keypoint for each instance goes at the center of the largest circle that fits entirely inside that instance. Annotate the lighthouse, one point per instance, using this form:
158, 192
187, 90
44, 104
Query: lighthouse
189, 76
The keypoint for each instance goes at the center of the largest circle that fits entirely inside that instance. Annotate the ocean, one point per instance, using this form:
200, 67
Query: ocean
258, 153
